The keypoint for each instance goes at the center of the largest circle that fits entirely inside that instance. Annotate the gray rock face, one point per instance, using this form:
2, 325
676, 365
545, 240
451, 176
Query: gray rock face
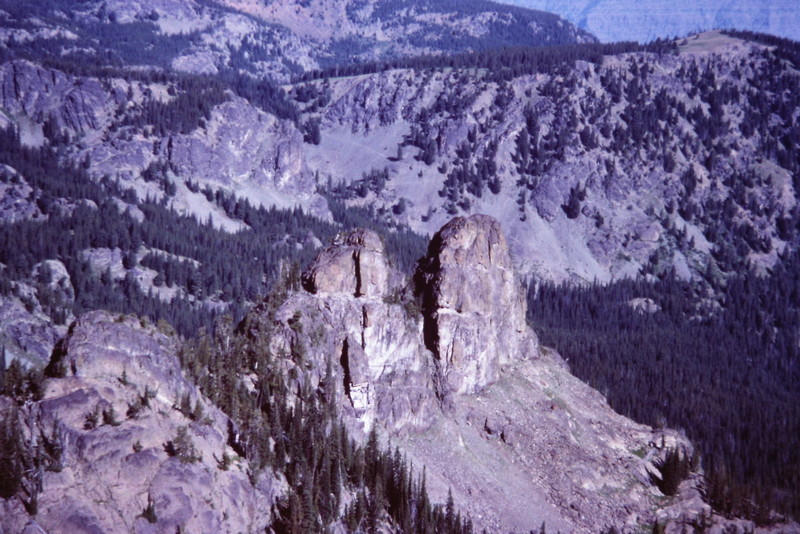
53, 278
539, 446
108, 473
38, 93
25, 335
354, 266
393, 365
643, 305
243, 147
280, 37
500, 421
473, 304
219, 32
350, 321
389, 29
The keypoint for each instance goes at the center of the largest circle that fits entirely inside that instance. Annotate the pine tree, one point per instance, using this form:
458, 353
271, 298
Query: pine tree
12, 449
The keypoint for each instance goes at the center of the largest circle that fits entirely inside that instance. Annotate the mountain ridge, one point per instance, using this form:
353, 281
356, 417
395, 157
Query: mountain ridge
385, 379
674, 164
276, 40
616, 20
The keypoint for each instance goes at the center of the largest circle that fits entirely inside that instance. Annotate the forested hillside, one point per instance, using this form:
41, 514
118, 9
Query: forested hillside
611, 160
727, 375
174, 267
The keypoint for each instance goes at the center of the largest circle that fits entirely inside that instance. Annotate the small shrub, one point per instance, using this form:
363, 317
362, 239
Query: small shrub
110, 417
91, 419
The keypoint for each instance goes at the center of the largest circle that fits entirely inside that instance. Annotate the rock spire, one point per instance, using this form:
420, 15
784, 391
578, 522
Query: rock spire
473, 303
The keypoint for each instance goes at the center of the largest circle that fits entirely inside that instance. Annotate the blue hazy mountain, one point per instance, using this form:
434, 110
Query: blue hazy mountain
645, 20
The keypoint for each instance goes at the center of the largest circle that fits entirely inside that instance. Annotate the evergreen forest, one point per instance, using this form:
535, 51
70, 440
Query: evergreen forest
189, 255
725, 373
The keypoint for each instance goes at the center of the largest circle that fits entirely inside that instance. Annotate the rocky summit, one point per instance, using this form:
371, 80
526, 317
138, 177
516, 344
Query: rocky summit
355, 265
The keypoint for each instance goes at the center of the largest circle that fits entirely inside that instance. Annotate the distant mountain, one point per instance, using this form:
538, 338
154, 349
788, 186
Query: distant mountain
373, 29
646, 20
273, 39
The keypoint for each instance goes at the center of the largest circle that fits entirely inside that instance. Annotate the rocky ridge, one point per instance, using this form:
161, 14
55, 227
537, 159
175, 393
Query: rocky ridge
509, 432
350, 317
447, 369
278, 39
119, 445
379, 28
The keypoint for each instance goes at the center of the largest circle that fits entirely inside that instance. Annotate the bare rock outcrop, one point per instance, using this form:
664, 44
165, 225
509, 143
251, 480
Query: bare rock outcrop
242, 146
353, 265
392, 363
17, 197
473, 304
26, 335
448, 370
110, 417
29, 90
350, 321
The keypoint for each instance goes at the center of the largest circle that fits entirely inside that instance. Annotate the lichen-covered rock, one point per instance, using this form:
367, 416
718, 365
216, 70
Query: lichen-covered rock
473, 303
25, 335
